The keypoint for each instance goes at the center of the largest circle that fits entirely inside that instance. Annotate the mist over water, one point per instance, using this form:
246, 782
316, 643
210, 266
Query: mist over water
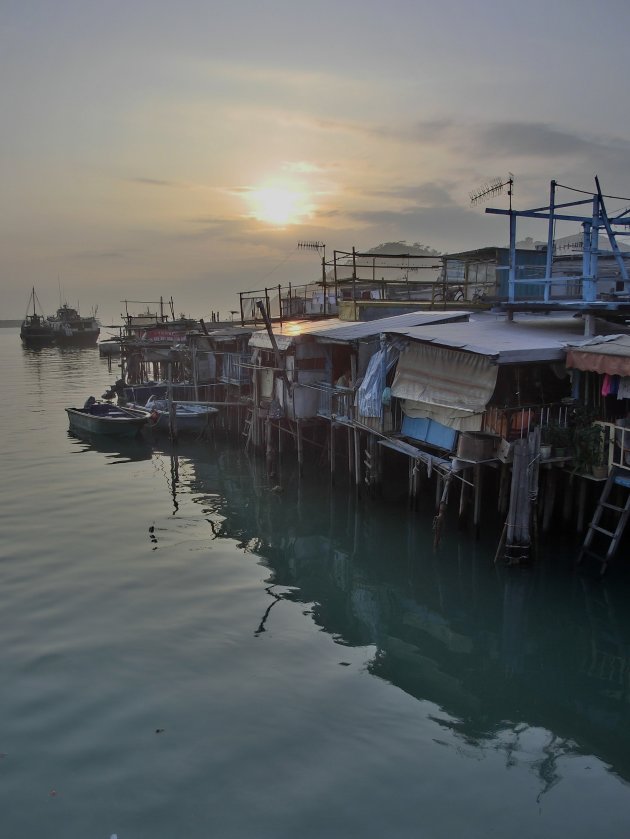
188, 654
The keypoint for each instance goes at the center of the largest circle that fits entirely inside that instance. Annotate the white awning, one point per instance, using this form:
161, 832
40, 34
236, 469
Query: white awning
446, 385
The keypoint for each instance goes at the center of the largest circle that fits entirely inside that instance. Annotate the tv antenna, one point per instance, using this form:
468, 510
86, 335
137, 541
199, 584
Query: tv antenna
494, 187
313, 246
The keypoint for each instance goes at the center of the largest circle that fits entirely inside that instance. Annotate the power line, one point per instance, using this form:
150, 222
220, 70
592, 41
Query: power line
593, 194
279, 265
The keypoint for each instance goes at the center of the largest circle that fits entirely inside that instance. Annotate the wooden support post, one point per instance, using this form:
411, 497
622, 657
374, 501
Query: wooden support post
477, 479
567, 506
581, 505
332, 452
441, 510
438, 490
269, 446
550, 497
350, 446
357, 459
300, 451
463, 498
504, 489
172, 407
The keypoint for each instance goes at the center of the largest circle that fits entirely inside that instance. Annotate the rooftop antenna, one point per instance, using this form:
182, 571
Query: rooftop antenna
313, 246
493, 187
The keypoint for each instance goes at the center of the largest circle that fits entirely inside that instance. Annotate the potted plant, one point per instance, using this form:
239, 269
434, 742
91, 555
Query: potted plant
590, 451
558, 437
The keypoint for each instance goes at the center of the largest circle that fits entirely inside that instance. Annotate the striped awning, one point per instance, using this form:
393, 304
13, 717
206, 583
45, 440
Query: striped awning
609, 354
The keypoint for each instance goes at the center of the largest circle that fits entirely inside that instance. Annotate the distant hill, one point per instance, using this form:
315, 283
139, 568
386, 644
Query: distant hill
416, 249
4, 323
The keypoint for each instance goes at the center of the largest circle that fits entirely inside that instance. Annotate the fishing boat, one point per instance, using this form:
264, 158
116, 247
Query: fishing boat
190, 417
106, 418
35, 330
71, 329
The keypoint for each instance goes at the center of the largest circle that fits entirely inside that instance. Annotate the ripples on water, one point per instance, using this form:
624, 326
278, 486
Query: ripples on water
188, 655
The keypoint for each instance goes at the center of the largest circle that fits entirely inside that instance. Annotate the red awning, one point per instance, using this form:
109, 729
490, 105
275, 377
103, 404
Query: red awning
606, 356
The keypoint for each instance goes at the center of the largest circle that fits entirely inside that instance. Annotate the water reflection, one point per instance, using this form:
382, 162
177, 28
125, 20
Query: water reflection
115, 449
533, 663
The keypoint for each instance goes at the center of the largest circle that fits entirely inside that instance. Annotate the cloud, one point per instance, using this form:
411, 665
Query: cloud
530, 139
153, 182
429, 194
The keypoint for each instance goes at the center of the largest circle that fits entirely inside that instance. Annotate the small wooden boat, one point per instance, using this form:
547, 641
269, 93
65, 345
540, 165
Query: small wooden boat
107, 418
190, 417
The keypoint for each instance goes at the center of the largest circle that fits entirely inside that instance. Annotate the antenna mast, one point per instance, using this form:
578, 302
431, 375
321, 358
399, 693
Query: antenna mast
313, 246
494, 187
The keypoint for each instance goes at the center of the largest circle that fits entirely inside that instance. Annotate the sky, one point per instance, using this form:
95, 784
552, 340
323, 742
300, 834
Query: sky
184, 149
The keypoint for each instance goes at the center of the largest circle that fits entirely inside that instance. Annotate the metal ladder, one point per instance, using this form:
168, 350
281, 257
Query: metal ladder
622, 514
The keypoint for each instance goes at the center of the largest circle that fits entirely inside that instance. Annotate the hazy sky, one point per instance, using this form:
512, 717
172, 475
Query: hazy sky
184, 148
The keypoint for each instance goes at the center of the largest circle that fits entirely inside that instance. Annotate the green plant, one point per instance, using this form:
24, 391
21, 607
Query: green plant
556, 435
588, 447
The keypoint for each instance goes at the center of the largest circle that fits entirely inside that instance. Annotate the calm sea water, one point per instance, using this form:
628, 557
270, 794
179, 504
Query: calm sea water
186, 654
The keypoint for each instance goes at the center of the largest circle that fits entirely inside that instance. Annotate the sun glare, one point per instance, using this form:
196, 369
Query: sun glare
278, 205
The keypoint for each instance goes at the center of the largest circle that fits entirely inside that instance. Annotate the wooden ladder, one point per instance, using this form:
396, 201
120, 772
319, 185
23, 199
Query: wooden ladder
609, 537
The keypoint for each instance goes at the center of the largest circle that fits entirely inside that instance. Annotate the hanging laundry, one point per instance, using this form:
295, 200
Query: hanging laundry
623, 391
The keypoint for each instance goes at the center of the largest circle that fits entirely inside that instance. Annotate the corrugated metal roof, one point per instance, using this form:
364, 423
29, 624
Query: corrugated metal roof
345, 331
508, 342
366, 329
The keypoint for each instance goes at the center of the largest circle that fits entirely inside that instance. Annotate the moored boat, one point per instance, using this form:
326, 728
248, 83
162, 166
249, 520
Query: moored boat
35, 330
71, 329
191, 417
107, 418
109, 347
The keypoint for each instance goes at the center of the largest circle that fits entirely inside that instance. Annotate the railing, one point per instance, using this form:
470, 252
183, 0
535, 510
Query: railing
514, 423
336, 402
616, 440
235, 368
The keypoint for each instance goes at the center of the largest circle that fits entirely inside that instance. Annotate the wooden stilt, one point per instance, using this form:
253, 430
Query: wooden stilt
567, 498
463, 499
551, 484
501, 547
269, 446
357, 459
504, 487
300, 452
477, 480
172, 407
332, 452
438, 490
350, 454
438, 521
581, 505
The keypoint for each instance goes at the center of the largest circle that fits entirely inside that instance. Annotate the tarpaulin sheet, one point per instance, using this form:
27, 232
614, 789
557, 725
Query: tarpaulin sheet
446, 385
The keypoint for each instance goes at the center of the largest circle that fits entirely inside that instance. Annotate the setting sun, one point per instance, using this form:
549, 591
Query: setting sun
278, 205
